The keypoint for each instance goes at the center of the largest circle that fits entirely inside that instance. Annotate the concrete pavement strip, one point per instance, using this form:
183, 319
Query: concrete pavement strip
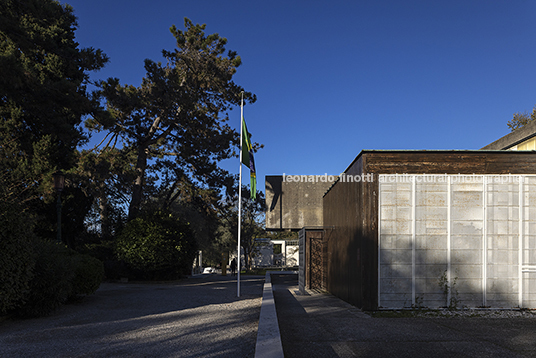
321, 325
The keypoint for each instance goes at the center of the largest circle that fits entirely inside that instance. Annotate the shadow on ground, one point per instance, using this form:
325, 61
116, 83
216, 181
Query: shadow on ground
197, 317
321, 325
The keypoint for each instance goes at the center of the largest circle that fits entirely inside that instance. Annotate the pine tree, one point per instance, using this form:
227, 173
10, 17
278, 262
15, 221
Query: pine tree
43, 92
177, 117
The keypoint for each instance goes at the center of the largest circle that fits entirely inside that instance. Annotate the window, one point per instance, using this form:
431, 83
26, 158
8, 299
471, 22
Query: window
277, 249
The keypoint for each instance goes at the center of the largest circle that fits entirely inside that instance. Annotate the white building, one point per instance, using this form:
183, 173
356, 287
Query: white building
276, 253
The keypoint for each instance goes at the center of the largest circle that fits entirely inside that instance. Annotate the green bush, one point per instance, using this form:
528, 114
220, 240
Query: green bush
105, 252
89, 273
17, 257
59, 274
157, 246
52, 282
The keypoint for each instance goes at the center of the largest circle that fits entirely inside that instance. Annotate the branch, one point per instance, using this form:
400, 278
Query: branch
163, 134
98, 145
167, 131
115, 141
171, 198
107, 144
154, 127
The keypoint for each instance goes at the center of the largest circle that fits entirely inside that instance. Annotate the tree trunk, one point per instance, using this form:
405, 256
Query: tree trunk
247, 263
137, 189
104, 214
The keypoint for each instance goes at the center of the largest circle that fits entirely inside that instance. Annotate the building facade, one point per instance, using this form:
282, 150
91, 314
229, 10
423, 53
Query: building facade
434, 229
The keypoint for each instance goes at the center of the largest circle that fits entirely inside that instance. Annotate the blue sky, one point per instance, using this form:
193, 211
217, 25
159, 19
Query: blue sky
333, 78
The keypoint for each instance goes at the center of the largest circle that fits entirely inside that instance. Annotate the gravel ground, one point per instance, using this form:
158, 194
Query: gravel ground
196, 317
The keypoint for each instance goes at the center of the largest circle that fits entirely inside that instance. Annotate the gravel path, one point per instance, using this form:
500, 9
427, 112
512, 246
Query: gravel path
196, 317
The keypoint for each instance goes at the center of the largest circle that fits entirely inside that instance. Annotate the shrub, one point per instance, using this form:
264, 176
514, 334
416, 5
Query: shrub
59, 274
16, 257
52, 281
89, 273
105, 252
157, 245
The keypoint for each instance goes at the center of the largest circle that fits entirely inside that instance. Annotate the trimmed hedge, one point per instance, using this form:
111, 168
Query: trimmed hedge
59, 274
51, 284
157, 246
17, 257
88, 275
36, 276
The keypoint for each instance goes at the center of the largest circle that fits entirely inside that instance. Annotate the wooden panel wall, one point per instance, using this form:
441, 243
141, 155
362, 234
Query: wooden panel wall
449, 162
342, 226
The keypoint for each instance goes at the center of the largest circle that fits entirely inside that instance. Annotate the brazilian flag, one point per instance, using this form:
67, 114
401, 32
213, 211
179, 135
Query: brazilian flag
247, 159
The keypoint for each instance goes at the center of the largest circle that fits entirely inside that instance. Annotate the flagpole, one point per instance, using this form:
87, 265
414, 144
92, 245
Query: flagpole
240, 198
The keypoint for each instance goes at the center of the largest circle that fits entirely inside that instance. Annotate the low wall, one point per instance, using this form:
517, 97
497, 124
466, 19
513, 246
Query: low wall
268, 335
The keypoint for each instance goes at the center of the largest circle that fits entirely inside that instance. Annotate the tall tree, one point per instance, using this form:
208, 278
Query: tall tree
521, 119
43, 91
177, 117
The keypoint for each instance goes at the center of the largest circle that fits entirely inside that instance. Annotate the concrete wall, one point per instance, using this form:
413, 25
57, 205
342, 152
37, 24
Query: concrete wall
292, 205
478, 233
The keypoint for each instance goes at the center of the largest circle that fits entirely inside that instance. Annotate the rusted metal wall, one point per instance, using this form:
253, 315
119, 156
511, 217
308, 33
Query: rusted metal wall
351, 210
316, 260
316, 267
301, 271
313, 259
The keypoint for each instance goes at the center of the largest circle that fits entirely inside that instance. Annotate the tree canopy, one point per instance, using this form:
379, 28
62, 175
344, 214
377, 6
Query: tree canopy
521, 119
164, 139
43, 91
43, 98
177, 118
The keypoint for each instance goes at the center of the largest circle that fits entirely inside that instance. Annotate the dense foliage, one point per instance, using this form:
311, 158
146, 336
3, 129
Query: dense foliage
251, 225
51, 284
176, 120
165, 141
521, 119
88, 275
17, 256
157, 245
59, 274
43, 91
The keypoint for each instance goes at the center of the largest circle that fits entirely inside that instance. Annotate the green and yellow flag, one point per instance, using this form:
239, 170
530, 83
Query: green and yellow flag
247, 159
